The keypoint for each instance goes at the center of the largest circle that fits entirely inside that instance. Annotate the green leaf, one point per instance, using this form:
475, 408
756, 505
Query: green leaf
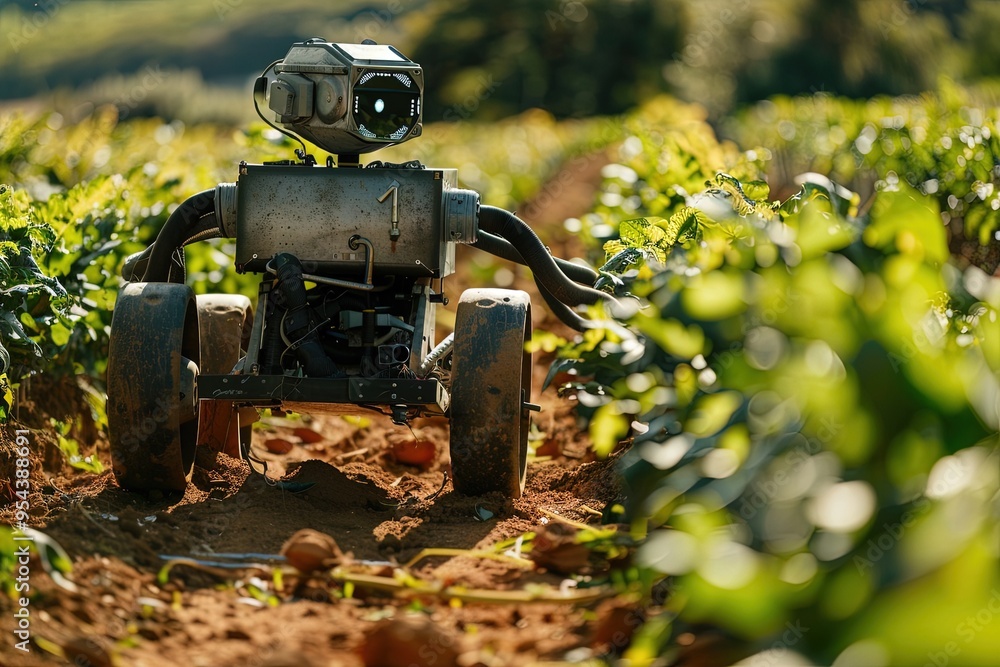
607, 428
60, 333
908, 223
819, 231
672, 336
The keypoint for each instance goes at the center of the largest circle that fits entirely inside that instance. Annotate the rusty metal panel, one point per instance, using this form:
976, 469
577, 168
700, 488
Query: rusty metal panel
311, 212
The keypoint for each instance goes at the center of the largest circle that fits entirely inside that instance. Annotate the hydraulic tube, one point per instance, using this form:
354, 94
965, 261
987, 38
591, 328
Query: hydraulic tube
175, 231
136, 265
505, 224
502, 248
581, 274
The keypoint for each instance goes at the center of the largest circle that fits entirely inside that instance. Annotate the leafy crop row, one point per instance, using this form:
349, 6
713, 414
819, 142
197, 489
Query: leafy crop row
808, 383
809, 388
944, 144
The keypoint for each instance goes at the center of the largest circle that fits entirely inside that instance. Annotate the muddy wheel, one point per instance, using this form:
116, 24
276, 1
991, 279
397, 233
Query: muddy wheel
490, 388
224, 323
152, 386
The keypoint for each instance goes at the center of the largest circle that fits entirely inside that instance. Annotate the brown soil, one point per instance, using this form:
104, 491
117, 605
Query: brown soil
380, 512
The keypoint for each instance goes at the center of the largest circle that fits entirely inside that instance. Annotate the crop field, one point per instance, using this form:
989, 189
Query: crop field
779, 445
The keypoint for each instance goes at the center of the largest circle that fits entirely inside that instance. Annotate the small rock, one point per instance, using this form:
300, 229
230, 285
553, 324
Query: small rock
419, 453
307, 435
555, 548
309, 550
86, 651
278, 445
410, 641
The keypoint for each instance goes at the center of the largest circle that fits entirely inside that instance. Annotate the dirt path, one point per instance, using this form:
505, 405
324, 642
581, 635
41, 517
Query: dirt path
375, 508
380, 511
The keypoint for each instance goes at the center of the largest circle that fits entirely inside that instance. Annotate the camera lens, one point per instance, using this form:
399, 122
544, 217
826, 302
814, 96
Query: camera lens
386, 105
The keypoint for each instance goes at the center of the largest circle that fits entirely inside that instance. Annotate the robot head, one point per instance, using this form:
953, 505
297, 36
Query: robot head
345, 98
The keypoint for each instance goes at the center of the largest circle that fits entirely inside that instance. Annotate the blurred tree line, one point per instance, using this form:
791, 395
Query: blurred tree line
494, 58
604, 56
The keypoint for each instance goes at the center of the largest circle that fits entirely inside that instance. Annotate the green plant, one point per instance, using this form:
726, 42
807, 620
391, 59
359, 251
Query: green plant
70, 448
801, 382
944, 144
27, 296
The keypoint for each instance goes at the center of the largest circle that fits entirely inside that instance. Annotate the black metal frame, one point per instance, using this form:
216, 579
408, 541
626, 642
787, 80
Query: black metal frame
273, 390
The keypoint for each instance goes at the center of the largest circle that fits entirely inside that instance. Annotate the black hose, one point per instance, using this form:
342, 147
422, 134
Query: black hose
272, 346
502, 248
177, 271
296, 320
561, 310
174, 232
207, 229
135, 266
505, 224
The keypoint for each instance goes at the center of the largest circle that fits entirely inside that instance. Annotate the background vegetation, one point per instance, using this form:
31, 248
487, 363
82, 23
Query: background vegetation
809, 380
499, 57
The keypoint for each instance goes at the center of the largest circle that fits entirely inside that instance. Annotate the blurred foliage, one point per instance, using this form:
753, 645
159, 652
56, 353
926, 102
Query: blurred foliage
496, 58
809, 382
44, 47
944, 144
508, 161
570, 58
810, 391
69, 447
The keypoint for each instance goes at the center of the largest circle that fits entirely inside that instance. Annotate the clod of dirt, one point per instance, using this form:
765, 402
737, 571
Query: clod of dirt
410, 641
551, 447
555, 548
278, 445
617, 620
307, 435
419, 453
86, 651
309, 550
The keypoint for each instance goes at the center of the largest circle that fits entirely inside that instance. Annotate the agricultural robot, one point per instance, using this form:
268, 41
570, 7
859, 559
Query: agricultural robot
352, 261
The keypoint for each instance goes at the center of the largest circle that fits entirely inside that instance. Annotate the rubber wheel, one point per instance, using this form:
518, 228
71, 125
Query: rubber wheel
224, 323
152, 386
490, 388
